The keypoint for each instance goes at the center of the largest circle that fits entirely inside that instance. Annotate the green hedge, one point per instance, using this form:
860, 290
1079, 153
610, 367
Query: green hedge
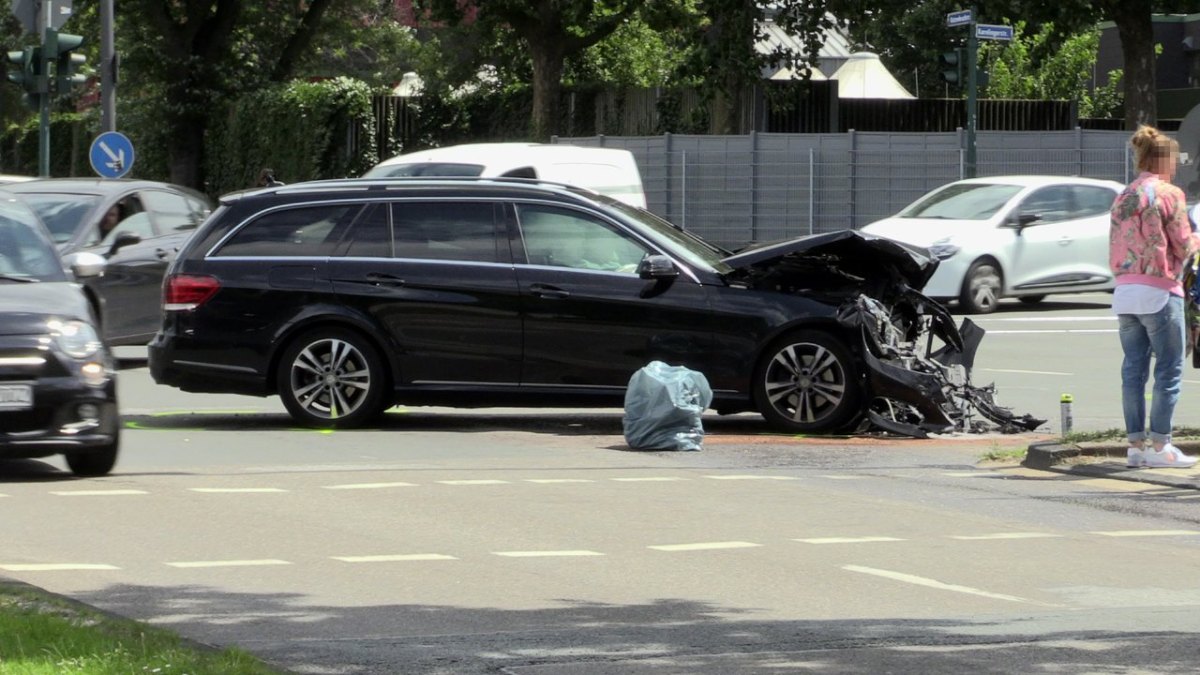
70, 138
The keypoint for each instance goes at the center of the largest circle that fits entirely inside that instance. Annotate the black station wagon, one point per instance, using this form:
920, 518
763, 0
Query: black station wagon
348, 297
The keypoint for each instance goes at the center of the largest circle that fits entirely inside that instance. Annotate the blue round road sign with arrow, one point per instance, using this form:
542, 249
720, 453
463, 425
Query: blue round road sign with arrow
111, 155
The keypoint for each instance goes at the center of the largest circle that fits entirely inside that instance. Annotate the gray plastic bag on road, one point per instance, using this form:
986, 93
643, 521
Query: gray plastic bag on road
663, 405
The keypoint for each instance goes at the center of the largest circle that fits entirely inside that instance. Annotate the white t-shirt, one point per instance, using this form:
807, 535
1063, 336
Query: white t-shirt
1139, 299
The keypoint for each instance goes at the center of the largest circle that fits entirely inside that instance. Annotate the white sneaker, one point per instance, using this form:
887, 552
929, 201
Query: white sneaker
1170, 457
1135, 457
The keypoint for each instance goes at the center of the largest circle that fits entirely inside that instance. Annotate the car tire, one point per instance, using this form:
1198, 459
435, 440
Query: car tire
331, 378
807, 382
95, 462
1032, 299
982, 288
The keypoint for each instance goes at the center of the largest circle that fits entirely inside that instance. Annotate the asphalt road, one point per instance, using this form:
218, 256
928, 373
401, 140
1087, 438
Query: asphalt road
536, 542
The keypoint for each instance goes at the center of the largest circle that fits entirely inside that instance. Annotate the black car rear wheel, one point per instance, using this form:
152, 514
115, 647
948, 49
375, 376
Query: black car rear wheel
331, 377
807, 383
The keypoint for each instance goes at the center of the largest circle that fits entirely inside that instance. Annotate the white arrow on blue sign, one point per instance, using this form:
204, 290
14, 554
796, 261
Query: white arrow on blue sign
960, 18
111, 155
985, 31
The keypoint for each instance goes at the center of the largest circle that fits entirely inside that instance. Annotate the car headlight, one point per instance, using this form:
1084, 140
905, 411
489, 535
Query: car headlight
77, 338
943, 249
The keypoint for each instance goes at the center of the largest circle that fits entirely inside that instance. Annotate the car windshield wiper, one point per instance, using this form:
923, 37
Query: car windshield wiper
13, 277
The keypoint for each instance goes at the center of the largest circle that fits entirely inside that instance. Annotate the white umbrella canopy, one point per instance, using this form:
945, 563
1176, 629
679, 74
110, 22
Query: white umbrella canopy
863, 75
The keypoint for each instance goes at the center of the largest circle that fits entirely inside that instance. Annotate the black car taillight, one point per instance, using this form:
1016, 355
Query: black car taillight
185, 292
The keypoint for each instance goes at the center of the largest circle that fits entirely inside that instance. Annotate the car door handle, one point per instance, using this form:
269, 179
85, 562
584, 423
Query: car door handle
162, 253
384, 279
545, 291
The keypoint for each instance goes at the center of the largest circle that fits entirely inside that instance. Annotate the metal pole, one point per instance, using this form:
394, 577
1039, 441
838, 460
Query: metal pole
972, 83
49, 47
812, 189
683, 190
108, 69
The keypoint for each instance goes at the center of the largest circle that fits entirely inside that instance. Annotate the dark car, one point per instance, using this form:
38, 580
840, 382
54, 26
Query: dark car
137, 225
347, 297
57, 379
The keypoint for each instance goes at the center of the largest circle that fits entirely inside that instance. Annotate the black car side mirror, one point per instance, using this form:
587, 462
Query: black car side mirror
657, 267
123, 239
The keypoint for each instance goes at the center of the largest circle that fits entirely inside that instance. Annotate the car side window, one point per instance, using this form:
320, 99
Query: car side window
464, 231
1093, 201
127, 215
1052, 204
172, 212
303, 231
371, 236
564, 238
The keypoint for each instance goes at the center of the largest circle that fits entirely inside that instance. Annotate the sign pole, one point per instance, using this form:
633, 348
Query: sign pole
108, 69
972, 91
49, 48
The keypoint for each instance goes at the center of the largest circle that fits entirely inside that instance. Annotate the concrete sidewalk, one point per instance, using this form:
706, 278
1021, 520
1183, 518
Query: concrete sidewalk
1107, 460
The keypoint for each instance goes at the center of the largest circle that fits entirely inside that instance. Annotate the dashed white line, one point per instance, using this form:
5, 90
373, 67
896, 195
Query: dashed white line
1006, 535
1061, 330
933, 583
1148, 533
97, 493
847, 540
367, 486
403, 557
705, 546
842, 477
229, 563
549, 481
736, 477
56, 567
649, 479
1024, 372
480, 481
546, 554
967, 474
235, 490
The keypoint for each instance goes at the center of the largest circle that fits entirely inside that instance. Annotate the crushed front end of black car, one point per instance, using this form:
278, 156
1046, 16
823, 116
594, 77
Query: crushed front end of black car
916, 363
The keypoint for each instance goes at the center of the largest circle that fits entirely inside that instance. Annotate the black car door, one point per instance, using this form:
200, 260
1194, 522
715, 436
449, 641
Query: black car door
439, 279
589, 320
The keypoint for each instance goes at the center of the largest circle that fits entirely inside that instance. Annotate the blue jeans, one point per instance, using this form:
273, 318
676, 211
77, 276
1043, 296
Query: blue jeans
1162, 335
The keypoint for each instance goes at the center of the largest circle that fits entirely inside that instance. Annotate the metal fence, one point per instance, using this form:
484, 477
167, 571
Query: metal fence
733, 190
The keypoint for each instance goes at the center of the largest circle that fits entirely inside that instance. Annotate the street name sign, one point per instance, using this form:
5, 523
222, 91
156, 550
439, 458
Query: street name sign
960, 18
111, 155
985, 31
26, 12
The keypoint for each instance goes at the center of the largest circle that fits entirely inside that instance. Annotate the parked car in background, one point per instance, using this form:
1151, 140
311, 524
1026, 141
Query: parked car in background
347, 297
138, 226
609, 171
57, 378
1010, 236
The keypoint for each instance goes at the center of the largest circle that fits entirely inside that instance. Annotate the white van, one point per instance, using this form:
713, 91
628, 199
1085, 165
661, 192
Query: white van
609, 171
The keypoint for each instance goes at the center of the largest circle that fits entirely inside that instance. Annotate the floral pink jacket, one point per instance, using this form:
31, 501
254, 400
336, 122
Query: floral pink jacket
1150, 239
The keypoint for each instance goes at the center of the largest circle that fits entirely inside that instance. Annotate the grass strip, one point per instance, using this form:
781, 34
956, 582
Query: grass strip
44, 634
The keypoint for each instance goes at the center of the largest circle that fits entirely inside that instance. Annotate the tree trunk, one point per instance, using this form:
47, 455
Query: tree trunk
547, 86
1136, 30
185, 155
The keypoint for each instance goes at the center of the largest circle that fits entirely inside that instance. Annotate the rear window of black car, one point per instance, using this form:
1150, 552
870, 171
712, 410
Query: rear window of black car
294, 232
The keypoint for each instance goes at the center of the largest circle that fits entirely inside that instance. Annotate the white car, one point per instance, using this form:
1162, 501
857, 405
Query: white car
1010, 236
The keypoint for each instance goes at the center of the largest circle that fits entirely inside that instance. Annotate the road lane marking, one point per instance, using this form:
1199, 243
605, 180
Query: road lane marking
479, 481
967, 474
1149, 533
1058, 331
229, 563
846, 540
367, 486
1024, 372
403, 557
545, 554
1047, 319
843, 477
751, 477
933, 583
97, 493
649, 479
548, 481
235, 490
56, 567
1005, 535
705, 546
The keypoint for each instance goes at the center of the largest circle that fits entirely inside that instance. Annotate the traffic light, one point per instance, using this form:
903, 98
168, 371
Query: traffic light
66, 71
25, 71
951, 64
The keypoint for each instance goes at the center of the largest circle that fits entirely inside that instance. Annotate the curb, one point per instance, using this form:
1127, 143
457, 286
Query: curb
1073, 458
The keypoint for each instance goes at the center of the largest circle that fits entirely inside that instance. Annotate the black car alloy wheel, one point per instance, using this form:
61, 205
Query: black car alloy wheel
808, 383
331, 378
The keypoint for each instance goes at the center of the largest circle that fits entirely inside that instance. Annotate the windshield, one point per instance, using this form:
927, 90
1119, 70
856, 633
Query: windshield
61, 213
25, 252
693, 249
424, 169
962, 201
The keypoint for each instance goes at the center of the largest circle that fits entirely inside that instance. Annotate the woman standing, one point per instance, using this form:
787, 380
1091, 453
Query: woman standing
1150, 242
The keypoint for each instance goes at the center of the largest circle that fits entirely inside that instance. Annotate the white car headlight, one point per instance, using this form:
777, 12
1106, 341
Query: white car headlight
943, 249
76, 338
